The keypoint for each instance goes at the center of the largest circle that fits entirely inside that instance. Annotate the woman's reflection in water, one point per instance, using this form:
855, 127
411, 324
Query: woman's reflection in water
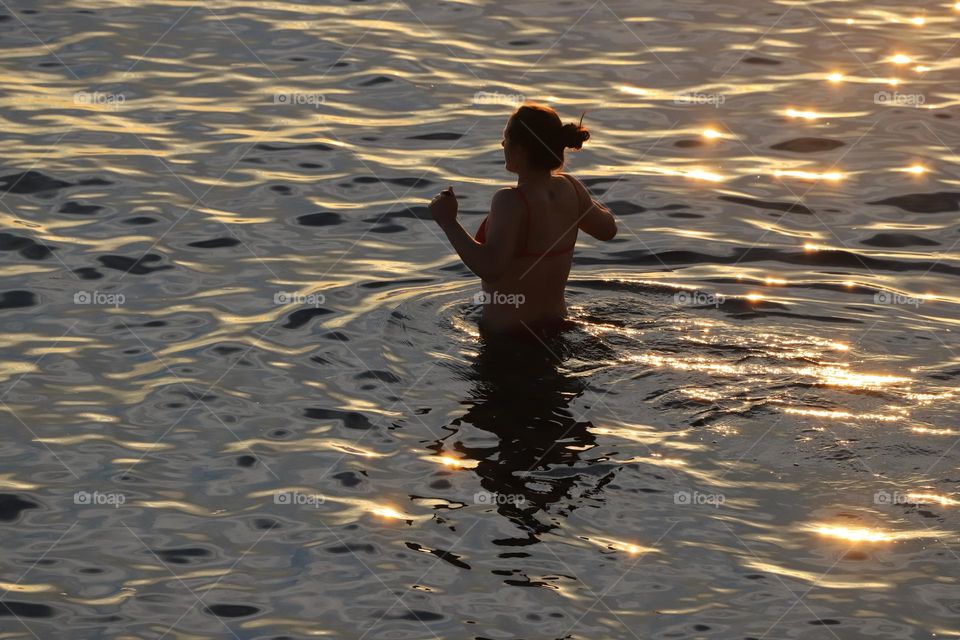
522, 394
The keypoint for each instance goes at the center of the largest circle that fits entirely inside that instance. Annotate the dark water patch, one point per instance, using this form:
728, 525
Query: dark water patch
414, 183
310, 165
349, 419
382, 284
440, 135
352, 547
624, 207
347, 478
87, 273
525, 42
282, 189
377, 80
417, 614
896, 240
75, 208
26, 247
786, 207
808, 145
688, 143
761, 60
683, 215
231, 610
299, 318
136, 266
225, 349
939, 202
12, 505
215, 243
31, 182
140, 220
17, 299
320, 219
19, 609
185, 555
246, 461
446, 556
312, 146
383, 376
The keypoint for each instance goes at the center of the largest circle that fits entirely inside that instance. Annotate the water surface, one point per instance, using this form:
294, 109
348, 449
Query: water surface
242, 385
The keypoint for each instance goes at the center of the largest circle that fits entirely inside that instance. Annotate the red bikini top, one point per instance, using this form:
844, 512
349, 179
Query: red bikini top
481, 236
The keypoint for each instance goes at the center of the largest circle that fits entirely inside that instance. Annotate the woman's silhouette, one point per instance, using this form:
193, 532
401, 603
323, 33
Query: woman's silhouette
523, 250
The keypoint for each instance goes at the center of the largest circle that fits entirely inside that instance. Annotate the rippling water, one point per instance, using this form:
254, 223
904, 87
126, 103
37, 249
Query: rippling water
243, 391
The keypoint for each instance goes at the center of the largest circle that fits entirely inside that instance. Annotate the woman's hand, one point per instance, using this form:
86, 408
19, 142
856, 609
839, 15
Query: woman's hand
444, 206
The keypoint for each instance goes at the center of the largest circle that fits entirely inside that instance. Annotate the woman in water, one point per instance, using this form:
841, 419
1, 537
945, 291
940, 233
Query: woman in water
523, 249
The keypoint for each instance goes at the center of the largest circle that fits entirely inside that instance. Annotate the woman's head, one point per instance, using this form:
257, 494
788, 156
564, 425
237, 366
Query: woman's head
535, 138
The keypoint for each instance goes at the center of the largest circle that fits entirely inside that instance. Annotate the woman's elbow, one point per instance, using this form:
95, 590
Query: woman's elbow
611, 232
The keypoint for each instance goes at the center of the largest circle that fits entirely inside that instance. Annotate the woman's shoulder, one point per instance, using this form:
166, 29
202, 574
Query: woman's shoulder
506, 198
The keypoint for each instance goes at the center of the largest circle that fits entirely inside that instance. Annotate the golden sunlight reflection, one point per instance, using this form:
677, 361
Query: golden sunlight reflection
870, 534
901, 58
385, 511
806, 115
842, 415
832, 176
854, 534
840, 376
931, 498
835, 77
450, 461
934, 431
818, 578
621, 545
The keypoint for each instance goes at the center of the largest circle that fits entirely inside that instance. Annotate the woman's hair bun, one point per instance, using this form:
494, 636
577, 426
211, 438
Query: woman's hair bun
574, 135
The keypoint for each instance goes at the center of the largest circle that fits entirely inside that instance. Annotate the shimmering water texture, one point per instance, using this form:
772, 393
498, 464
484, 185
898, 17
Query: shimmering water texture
243, 391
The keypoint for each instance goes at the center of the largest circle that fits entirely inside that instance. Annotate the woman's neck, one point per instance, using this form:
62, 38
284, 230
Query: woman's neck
533, 177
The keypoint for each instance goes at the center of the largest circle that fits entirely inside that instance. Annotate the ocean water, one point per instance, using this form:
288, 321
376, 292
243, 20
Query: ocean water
243, 391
